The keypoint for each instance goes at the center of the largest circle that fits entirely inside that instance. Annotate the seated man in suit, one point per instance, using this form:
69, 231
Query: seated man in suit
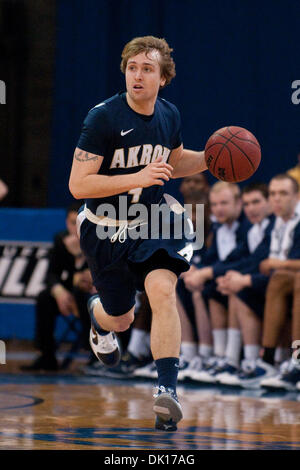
282, 310
229, 236
257, 209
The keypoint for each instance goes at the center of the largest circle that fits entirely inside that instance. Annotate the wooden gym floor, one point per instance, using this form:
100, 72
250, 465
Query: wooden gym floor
70, 411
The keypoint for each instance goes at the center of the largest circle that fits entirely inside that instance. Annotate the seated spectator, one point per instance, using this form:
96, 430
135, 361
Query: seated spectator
257, 209
283, 304
280, 249
69, 284
229, 236
282, 296
194, 187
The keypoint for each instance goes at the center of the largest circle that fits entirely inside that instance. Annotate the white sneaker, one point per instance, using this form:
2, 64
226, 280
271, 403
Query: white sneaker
287, 378
183, 365
208, 372
254, 371
231, 379
105, 347
148, 371
226, 372
194, 365
167, 409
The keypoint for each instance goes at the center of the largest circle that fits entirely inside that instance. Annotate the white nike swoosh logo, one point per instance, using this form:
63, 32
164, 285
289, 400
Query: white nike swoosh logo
125, 132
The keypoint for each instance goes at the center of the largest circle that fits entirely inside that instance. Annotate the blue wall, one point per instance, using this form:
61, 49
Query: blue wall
17, 320
235, 61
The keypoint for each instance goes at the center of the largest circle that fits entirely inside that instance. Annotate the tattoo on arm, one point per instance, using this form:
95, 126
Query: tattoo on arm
82, 156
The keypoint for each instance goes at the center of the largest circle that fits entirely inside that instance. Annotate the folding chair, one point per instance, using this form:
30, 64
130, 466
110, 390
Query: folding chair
73, 326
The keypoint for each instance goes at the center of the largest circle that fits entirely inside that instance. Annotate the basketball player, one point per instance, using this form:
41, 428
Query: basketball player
131, 145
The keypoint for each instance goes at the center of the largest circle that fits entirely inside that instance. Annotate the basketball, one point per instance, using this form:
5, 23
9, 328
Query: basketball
232, 154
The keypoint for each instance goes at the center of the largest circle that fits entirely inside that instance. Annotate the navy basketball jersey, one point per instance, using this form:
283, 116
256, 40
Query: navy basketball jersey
129, 141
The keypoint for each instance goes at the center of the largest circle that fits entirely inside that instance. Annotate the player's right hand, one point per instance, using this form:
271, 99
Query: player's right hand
154, 173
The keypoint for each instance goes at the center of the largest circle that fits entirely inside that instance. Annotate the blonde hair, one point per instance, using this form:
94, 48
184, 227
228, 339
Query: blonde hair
147, 44
221, 185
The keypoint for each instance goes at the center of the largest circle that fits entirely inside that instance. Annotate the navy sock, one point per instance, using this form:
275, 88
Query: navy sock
167, 370
96, 324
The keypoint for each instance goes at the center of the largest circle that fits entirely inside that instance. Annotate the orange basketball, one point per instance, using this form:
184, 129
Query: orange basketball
232, 154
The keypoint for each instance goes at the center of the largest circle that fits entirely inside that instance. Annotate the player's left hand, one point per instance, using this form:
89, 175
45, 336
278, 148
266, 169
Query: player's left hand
153, 174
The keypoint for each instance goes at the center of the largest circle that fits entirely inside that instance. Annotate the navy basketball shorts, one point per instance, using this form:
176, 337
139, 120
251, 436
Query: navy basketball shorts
119, 268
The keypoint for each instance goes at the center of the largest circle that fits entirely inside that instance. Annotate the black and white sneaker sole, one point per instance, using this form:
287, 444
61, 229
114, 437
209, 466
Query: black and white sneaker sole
111, 359
165, 425
168, 412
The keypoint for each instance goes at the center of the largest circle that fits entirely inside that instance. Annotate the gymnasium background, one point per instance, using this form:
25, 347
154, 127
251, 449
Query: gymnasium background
237, 63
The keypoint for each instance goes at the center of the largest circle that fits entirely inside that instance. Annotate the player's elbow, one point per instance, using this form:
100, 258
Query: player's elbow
75, 190
3, 189
77, 195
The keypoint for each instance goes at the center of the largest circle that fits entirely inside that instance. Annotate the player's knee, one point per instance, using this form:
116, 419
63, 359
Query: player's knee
160, 291
121, 325
123, 322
